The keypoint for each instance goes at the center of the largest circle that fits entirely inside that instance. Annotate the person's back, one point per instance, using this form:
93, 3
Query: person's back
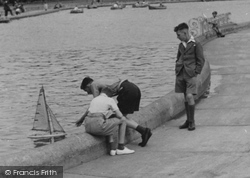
102, 104
21, 7
115, 5
98, 85
18, 11
57, 6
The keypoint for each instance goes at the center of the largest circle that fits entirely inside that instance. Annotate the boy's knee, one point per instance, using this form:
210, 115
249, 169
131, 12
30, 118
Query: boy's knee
123, 120
189, 96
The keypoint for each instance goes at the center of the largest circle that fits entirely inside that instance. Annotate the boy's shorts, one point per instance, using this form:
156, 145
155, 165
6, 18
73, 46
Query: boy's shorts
96, 124
128, 98
185, 84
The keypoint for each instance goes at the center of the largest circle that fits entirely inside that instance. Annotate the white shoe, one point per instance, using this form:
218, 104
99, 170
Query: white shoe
112, 152
124, 151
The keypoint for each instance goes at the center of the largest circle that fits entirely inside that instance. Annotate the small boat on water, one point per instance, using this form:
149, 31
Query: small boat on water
121, 6
157, 7
2, 20
46, 121
139, 5
76, 11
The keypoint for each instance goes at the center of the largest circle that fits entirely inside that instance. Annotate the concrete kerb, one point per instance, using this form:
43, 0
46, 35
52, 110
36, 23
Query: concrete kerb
83, 147
37, 13
41, 11
32, 14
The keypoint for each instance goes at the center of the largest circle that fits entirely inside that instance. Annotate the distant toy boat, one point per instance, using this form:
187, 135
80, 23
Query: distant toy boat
76, 11
118, 7
157, 7
45, 120
140, 5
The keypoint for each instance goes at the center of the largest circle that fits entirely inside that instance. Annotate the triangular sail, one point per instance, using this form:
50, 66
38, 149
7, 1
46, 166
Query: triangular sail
44, 117
56, 126
40, 121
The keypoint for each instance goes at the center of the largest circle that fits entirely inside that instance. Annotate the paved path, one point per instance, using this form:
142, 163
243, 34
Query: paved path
220, 145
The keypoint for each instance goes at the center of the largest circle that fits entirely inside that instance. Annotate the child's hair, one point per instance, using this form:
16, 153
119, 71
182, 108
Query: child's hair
85, 82
181, 27
107, 91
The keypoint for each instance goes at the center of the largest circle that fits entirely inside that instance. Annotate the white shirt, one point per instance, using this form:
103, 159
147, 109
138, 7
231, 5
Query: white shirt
191, 39
103, 104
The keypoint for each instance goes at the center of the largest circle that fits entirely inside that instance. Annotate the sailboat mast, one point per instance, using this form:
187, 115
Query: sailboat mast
51, 130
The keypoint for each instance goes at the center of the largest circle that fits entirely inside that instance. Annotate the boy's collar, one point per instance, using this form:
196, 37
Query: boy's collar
191, 39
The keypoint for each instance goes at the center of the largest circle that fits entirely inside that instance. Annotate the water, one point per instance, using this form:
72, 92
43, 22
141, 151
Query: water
58, 50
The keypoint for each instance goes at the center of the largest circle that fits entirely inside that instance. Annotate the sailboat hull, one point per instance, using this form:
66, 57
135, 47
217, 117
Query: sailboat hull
47, 136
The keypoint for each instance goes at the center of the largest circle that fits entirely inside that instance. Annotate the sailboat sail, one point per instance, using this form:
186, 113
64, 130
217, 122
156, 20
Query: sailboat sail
43, 115
40, 123
56, 126
45, 120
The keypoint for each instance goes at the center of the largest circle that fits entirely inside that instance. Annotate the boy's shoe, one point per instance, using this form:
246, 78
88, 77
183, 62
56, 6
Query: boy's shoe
124, 151
112, 152
145, 137
191, 126
185, 125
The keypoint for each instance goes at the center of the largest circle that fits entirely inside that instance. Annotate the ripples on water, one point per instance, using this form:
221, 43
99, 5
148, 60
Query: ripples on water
59, 50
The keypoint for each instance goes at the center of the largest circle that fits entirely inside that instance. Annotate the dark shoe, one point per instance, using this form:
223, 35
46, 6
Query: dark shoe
184, 126
191, 126
220, 35
145, 137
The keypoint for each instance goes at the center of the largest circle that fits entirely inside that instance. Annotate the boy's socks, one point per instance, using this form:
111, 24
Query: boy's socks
120, 146
112, 146
140, 129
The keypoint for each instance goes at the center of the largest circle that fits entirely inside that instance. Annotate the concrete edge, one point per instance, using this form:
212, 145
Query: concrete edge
68, 7
37, 13
83, 147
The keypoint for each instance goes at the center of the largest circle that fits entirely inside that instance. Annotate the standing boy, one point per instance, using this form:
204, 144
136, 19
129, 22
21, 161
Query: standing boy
7, 9
189, 63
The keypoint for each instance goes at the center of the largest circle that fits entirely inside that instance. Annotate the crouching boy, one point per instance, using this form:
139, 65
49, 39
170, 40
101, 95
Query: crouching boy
98, 121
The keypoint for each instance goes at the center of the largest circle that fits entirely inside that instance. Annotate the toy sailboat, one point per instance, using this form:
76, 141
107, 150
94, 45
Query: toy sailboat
45, 120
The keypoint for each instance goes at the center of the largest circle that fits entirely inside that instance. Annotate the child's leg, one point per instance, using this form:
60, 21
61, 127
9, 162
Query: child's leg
111, 142
122, 130
121, 148
145, 132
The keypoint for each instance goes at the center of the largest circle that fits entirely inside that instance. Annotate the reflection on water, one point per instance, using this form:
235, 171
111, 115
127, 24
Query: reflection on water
59, 50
